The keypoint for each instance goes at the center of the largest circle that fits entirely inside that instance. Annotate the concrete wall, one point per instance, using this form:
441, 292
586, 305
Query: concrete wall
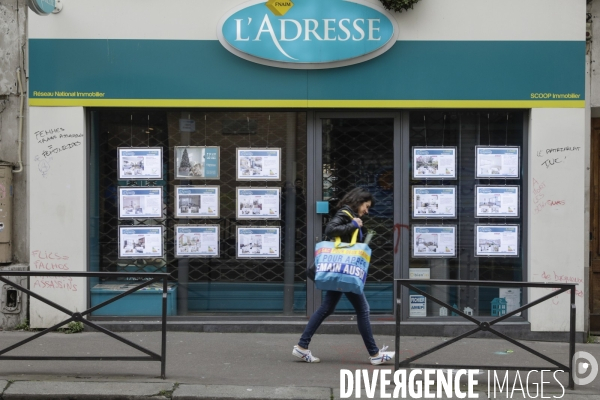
556, 218
59, 210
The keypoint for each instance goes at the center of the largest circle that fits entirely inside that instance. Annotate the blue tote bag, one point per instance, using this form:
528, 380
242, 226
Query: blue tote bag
342, 266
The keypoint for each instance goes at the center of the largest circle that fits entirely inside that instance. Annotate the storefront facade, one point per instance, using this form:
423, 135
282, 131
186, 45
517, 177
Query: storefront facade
261, 126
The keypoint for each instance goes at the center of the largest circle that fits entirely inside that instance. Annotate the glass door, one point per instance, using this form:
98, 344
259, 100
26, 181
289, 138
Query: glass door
360, 152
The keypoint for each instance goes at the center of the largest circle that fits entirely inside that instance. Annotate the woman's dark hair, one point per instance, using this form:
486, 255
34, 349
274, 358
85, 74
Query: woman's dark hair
355, 198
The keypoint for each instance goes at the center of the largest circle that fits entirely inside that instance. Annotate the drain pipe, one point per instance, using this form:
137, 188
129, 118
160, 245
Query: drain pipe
20, 162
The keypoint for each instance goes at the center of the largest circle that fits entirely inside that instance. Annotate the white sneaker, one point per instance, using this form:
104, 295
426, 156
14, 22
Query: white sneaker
305, 355
383, 356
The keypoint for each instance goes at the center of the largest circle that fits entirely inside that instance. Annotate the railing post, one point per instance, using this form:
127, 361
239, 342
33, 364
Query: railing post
163, 355
398, 319
572, 338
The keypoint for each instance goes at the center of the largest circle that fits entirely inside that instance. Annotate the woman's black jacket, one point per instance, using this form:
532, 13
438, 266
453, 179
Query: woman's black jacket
341, 225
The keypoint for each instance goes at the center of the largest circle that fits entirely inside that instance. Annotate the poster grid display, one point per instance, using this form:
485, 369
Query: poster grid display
433, 241
139, 163
434, 202
140, 202
496, 201
255, 203
197, 162
143, 241
258, 242
197, 241
258, 164
434, 162
497, 162
497, 240
197, 202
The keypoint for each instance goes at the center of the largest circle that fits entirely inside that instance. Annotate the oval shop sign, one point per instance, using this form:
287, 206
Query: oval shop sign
308, 34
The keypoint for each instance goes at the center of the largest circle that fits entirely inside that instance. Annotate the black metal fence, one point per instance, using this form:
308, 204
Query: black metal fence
485, 326
80, 316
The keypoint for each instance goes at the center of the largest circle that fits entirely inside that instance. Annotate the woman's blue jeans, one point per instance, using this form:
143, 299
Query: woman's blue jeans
330, 300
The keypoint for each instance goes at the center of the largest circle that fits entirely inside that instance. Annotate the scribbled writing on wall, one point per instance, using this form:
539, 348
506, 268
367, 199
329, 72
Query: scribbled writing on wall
540, 201
52, 282
553, 276
556, 155
49, 260
56, 141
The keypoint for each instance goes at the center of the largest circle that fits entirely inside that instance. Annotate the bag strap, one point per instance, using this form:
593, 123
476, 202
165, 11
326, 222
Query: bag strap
338, 240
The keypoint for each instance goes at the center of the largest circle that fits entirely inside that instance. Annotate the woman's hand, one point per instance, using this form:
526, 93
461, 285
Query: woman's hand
358, 221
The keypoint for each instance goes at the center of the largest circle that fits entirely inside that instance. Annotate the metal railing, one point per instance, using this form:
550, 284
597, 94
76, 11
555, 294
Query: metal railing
80, 316
485, 326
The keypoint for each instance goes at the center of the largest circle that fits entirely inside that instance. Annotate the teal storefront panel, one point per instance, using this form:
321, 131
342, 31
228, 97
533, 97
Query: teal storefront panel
410, 70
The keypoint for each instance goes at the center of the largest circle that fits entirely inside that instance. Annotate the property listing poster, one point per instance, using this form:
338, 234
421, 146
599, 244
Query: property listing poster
434, 201
497, 162
497, 240
140, 242
197, 201
196, 241
254, 242
418, 305
497, 201
434, 241
140, 202
197, 162
140, 163
432, 162
258, 164
258, 203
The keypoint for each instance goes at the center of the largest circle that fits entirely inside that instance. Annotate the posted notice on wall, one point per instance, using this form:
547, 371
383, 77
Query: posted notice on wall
196, 241
434, 201
139, 163
497, 162
140, 242
512, 297
497, 240
140, 202
254, 242
259, 164
418, 305
197, 201
497, 201
197, 162
419, 273
434, 162
258, 203
434, 241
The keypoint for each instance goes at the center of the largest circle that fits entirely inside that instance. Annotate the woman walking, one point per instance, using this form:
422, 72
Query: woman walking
356, 203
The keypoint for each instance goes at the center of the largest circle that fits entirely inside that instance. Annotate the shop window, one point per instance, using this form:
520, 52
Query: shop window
464, 131
223, 284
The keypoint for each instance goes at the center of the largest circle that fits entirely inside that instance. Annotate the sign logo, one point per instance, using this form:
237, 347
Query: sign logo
45, 7
581, 369
308, 34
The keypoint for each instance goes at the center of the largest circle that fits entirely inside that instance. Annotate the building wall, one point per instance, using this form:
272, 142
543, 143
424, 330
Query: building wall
556, 219
58, 188
537, 54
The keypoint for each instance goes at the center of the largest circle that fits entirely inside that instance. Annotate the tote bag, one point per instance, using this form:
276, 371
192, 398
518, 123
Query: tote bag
342, 266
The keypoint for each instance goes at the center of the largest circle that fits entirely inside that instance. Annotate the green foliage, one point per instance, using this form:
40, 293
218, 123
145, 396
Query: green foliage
72, 327
398, 5
24, 326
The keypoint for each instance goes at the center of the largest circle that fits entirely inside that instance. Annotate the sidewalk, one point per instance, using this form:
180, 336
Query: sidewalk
241, 365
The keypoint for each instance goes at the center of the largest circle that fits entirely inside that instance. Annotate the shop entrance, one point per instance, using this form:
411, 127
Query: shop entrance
595, 228
358, 151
